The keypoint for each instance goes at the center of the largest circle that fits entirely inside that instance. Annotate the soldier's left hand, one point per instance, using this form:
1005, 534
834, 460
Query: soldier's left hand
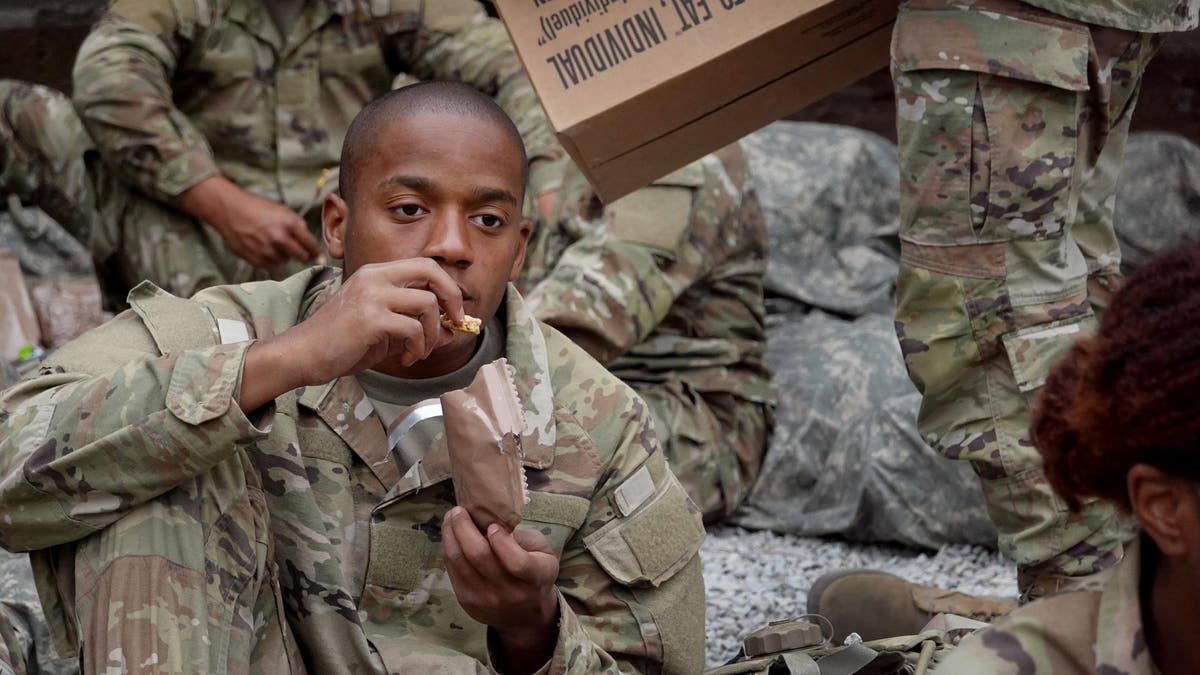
505, 580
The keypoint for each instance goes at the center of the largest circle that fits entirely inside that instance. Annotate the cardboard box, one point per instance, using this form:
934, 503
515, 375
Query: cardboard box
638, 88
66, 308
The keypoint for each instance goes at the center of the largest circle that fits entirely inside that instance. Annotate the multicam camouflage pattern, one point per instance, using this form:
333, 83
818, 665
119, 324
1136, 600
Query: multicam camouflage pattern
25, 643
664, 287
131, 465
1148, 16
1095, 629
47, 159
1012, 126
174, 91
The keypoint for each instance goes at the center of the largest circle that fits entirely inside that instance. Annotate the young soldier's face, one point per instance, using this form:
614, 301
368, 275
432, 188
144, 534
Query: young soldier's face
446, 187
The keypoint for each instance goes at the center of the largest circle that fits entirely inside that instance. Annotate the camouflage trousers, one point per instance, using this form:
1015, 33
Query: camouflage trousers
48, 160
186, 583
1012, 124
714, 442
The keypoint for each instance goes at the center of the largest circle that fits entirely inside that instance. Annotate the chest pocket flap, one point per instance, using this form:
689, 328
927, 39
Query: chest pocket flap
980, 41
656, 540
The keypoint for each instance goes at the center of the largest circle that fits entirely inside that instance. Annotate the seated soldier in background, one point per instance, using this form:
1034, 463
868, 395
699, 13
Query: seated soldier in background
1119, 419
665, 288
200, 129
199, 470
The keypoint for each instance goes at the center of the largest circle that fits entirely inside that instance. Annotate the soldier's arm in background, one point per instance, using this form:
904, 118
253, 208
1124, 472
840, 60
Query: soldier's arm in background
123, 94
457, 40
111, 424
630, 584
122, 91
623, 269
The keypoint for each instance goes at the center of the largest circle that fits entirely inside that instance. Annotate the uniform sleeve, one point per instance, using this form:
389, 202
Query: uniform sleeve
1054, 635
458, 41
111, 424
122, 92
621, 273
630, 584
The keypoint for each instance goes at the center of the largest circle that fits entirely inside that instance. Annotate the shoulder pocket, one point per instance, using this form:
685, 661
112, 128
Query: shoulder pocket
176, 324
993, 43
654, 542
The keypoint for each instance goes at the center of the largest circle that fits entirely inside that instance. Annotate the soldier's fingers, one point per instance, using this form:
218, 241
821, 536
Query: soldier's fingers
475, 547
270, 256
422, 305
460, 568
427, 274
305, 238
533, 541
405, 337
530, 567
292, 248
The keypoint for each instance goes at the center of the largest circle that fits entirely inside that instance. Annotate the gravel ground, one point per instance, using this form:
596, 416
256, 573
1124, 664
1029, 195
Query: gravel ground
756, 577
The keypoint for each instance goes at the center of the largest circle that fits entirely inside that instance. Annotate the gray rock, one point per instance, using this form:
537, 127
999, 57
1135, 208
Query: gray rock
1158, 199
846, 458
752, 578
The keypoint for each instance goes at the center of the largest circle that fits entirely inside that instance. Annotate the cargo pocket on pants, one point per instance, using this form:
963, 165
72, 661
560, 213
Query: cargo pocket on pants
988, 117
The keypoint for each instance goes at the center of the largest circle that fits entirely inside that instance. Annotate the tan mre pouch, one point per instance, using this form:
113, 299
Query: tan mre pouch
483, 431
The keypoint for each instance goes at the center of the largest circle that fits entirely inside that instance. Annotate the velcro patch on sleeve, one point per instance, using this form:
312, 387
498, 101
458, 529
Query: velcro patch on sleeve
656, 541
634, 492
666, 539
232, 331
656, 217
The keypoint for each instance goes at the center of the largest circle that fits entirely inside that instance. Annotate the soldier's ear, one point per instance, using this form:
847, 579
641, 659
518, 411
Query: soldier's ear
1167, 507
335, 214
522, 248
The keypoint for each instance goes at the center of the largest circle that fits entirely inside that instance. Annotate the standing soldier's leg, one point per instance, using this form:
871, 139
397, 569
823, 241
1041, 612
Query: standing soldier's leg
1000, 123
47, 159
1121, 57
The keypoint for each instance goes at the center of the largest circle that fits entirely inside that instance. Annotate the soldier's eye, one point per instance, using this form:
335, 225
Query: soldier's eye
410, 210
488, 220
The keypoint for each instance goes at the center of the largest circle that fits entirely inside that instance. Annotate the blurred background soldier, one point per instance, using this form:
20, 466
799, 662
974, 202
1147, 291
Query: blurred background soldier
1012, 122
665, 288
200, 130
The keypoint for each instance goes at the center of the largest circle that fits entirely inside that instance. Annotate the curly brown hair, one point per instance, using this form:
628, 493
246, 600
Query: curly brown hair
1130, 394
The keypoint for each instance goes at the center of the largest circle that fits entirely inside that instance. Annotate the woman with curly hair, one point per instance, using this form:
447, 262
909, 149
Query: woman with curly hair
1119, 419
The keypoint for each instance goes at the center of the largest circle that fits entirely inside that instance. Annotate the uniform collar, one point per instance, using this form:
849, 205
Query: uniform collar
253, 16
1120, 634
344, 406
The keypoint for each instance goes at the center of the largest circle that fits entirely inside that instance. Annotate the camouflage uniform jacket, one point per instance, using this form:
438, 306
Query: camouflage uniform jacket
1092, 630
174, 91
1143, 16
664, 283
357, 544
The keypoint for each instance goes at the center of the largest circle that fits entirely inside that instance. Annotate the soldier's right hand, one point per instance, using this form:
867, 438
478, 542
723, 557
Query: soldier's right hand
257, 230
266, 234
383, 311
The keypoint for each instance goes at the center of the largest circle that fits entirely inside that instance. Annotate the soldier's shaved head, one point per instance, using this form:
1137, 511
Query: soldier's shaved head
365, 134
